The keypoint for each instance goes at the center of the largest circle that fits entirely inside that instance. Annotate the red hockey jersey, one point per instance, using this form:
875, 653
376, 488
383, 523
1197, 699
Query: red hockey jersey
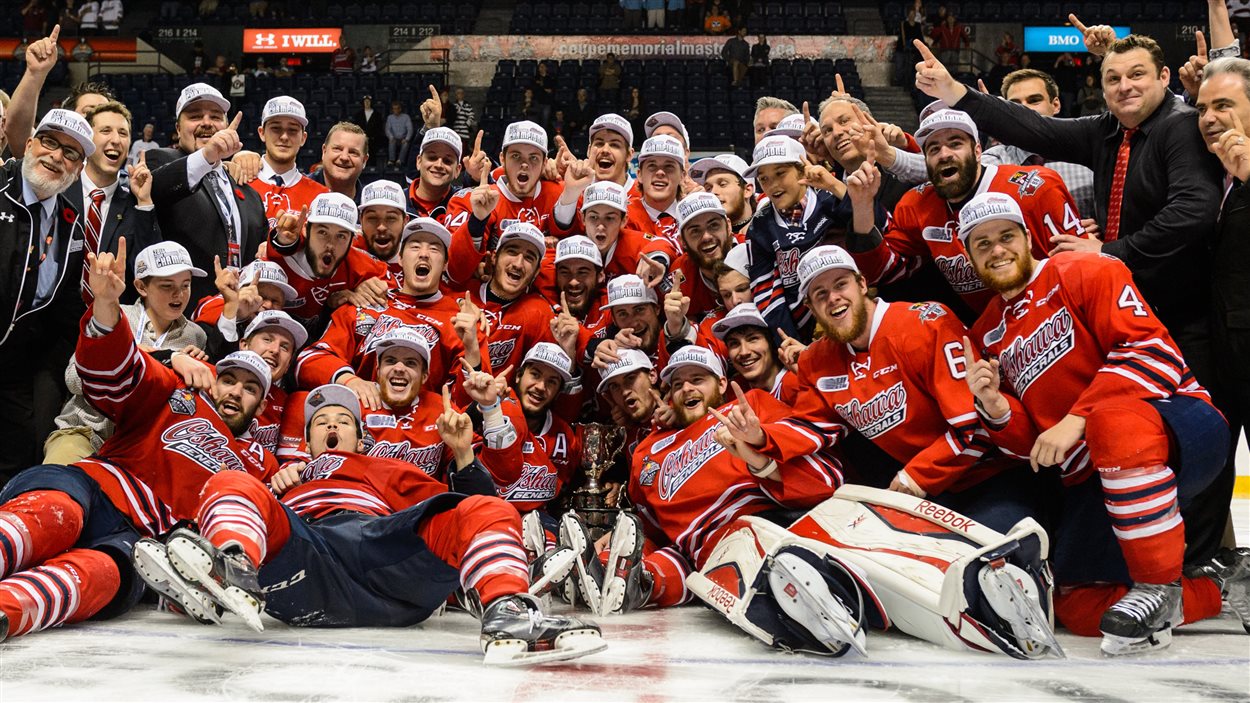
661, 224
169, 438
515, 326
1078, 334
294, 194
357, 483
926, 227
356, 268
531, 471
267, 425
688, 487
466, 253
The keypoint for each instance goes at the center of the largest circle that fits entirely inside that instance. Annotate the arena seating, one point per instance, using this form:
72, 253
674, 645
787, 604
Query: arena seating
452, 17
606, 17
1051, 12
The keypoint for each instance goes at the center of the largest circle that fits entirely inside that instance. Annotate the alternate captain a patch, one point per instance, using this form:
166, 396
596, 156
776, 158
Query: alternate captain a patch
182, 401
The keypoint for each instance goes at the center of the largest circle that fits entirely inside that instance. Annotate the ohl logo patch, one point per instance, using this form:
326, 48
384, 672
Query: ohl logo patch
182, 401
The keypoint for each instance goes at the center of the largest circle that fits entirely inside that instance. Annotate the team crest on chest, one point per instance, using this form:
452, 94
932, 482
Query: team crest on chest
685, 461
182, 401
880, 414
1025, 359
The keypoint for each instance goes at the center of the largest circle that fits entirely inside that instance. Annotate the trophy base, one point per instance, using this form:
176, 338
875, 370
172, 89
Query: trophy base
599, 521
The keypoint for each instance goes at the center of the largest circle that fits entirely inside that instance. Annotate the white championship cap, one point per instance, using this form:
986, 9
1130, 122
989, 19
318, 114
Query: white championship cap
200, 91
605, 193
165, 259
383, 193
743, 315
738, 259
251, 362
946, 119
986, 207
932, 108
525, 232
445, 136
692, 355
790, 126
660, 119
333, 209
775, 150
820, 259
425, 225
328, 395
578, 247
733, 163
629, 290
551, 355
525, 132
696, 204
284, 106
662, 146
407, 338
276, 318
261, 271
71, 124
616, 123
631, 360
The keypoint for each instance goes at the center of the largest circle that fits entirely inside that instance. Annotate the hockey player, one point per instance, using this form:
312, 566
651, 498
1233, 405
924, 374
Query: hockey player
611, 150
580, 282
66, 531
344, 353
382, 219
661, 168
438, 173
362, 542
706, 236
276, 337
603, 218
1109, 401
724, 176
314, 249
261, 285
753, 355
924, 226
283, 130
636, 322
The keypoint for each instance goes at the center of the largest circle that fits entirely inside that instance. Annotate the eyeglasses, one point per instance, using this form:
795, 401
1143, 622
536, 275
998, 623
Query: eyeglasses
70, 154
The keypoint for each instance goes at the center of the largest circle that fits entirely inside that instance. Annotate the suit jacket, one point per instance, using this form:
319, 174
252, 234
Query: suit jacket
139, 227
1230, 276
49, 330
189, 217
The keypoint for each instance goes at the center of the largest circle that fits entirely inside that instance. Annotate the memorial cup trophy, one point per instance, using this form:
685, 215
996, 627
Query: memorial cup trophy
602, 451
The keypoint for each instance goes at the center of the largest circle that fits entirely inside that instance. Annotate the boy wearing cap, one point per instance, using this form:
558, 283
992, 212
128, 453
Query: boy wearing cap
198, 204
661, 168
611, 150
68, 530
1110, 402
382, 219
636, 323
438, 173
723, 175
283, 129
795, 219
924, 226
733, 288
362, 542
158, 325
314, 249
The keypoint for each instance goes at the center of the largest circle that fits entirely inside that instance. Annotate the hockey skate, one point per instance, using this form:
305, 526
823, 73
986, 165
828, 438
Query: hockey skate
225, 574
515, 632
549, 568
804, 595
1143, 619
1230, 569
151, 561
627, 585
1012, 594
588, 571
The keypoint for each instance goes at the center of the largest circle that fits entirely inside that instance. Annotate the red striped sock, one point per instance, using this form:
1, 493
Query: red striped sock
68, 588
36, 525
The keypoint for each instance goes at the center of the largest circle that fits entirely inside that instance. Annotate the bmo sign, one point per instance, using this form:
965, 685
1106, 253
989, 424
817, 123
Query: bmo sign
1060, 39
287, 41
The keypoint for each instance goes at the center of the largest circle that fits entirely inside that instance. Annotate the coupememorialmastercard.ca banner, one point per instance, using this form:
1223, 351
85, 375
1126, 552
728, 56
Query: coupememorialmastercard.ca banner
494, 48
286, 41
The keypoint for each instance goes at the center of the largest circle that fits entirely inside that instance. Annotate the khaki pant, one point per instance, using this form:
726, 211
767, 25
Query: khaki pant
68, 446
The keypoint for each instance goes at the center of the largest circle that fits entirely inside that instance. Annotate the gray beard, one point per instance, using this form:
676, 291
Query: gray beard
45, 187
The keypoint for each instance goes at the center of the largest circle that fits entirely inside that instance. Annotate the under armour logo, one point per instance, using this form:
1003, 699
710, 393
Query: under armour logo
7, 217
266, 39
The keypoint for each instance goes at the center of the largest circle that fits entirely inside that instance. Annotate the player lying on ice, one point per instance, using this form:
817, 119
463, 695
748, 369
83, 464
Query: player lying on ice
362, 542
860, 556
1109, 401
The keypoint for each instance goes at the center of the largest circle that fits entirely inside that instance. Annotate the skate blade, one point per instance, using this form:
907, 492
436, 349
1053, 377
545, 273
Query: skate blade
569, 645
833, 625
575, 539
152, 564
1023, 614
613, 585
196, 565
1116, 646
557, 568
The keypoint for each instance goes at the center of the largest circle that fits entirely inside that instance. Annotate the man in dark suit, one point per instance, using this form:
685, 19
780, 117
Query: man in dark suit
109, 209
41, 255
198, 204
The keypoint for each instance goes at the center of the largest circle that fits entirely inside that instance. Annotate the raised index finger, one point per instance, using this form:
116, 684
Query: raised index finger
121, 251
56, 32
969, 357
837, 81
807, 113
477, 143
742, 397
238, 118
564, 302
1076, 22
485, 179
923, 48
434, 94
446, 397
1202, 44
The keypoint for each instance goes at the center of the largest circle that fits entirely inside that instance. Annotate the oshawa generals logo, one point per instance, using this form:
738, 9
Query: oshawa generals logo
264, 435
425, 458
1025, 359
535, 483
881, 413
958, 271
197, 440
685, 461
386, 323
323, 466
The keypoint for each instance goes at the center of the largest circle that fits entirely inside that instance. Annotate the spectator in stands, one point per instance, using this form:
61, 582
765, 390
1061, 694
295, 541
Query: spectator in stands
635, 109
343, 60
464, 119
759, 61
633, 13
529, 109
717, 20
145, 142
1090, 97
1007, 52
610, 74
768, 112
676, 14
655, 13
949, 36
373, 123
284, 69
111, 16
737, 53
1239, 15
79, 19
197, 63
34, 19
544, 87
368, 60
581, 113
399, 133
262, 68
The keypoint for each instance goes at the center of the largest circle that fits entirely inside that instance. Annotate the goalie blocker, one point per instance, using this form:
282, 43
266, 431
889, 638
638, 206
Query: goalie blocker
874, 557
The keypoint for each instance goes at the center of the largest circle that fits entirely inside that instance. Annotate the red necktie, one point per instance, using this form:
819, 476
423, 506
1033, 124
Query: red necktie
92, 244
1117, 187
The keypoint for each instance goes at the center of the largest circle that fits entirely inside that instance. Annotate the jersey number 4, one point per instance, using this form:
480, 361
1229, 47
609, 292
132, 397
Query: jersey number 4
1129, 301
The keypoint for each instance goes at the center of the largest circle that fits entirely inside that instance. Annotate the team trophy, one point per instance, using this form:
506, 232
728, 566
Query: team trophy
602, 449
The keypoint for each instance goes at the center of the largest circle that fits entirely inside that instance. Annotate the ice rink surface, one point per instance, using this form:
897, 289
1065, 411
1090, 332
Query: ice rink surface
681, 654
